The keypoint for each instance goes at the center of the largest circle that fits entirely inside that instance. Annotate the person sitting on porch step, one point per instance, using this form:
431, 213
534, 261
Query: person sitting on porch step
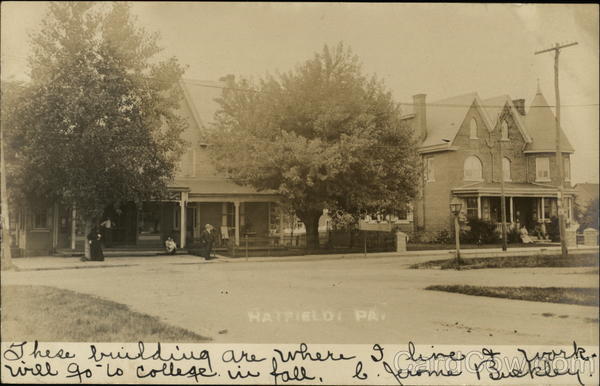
525, 236
170, 246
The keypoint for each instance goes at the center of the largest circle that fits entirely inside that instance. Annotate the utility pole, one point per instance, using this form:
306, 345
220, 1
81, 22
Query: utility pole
559, 160
502, 198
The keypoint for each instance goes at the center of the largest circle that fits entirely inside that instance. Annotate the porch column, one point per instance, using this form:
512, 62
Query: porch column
269, 218
237, 222
511, 210
182, 218
479, 207
542, 213
242, 214
73, 227
224, 215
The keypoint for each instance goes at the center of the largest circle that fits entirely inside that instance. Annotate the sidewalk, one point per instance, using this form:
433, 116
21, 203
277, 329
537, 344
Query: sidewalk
44, 263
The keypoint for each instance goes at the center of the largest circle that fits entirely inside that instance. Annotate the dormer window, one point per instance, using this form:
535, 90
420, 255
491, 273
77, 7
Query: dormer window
473, 169
504, 131
473, 129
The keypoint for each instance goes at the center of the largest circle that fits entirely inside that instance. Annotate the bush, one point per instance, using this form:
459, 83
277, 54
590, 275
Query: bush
589, 217
513, 236
553, 229
481, 232
443, 237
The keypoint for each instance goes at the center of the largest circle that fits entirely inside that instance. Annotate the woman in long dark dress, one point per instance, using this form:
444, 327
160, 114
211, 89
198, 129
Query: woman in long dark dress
96, 253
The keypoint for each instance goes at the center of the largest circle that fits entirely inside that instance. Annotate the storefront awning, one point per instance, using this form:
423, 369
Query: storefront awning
510, 189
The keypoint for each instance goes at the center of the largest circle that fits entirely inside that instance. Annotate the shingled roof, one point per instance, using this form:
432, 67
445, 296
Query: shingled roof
540, 123
446, 116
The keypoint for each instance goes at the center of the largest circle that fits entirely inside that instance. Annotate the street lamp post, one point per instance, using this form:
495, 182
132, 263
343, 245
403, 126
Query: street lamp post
455, 207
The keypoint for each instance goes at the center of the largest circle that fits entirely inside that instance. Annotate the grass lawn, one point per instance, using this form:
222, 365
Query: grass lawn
580, 296
578, 260
56, 315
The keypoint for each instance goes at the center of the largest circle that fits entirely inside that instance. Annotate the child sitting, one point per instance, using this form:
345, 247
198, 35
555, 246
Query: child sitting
170, 246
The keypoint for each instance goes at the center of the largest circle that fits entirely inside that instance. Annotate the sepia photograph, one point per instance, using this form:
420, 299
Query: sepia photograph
299, 193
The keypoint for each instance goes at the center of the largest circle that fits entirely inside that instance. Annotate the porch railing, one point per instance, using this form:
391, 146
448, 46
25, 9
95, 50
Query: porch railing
509, 226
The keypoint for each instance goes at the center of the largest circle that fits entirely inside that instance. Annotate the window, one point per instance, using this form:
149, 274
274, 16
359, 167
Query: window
403, 215
40, 219
473, 129
504, 130
506, 169
542, 169
176, 216
231, 215
429, 172
473, 169
567, 168
472, 211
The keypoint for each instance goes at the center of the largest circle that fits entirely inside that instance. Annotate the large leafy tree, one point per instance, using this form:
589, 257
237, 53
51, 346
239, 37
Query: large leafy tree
322, 136
97, 123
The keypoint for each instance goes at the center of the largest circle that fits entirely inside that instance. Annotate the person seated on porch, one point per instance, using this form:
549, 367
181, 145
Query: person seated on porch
538, 231
170, 246
525, 236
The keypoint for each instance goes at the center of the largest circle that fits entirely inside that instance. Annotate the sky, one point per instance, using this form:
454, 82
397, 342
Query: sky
441, 50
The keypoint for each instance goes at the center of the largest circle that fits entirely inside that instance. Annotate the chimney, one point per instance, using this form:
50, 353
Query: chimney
420, 116
519, 105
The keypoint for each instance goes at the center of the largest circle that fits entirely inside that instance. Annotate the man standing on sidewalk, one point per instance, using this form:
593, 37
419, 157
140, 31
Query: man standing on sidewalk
206, 240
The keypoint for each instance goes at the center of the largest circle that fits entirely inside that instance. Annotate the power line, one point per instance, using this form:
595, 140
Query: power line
203, 83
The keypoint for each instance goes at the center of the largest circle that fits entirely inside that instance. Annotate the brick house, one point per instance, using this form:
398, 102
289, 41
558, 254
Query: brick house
199, 195
460, 139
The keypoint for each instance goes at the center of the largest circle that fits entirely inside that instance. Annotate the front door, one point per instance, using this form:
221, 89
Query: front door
193, 222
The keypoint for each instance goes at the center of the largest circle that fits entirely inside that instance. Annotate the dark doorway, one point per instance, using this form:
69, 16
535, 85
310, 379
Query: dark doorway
525, 212
124, 218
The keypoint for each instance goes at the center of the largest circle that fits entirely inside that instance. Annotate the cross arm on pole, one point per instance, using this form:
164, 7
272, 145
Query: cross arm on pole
556, 48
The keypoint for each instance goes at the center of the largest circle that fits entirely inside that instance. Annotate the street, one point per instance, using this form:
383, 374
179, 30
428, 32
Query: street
378, 300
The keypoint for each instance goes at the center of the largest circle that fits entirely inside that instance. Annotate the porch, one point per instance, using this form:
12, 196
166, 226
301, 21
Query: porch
529, 205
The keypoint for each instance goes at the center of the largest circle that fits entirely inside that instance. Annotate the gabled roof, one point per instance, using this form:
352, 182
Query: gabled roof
444, 118
494, 107
215, 185
540, 122
200, 97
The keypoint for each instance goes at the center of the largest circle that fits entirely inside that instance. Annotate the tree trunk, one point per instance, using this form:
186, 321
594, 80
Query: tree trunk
86, 244
311, 223
6, 258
